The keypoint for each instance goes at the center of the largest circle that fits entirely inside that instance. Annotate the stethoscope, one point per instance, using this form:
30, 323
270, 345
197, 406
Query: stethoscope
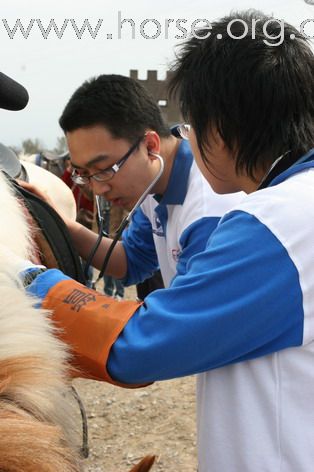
101, 205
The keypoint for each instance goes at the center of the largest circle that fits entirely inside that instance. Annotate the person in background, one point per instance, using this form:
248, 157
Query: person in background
112, 218
84, 199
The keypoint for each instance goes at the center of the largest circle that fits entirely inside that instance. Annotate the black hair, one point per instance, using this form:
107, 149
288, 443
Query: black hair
119, 103
258, 94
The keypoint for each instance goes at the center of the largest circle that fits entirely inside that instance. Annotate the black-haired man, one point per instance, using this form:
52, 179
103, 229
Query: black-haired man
114, 129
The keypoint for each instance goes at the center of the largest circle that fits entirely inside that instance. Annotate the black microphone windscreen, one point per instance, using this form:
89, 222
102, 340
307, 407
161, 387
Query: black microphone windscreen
13, 96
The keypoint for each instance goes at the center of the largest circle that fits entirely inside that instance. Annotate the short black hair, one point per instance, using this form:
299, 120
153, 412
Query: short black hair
118, 103
258, 95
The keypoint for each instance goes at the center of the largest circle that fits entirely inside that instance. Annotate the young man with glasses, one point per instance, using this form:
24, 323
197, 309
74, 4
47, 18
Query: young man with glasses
242, 315
114, 130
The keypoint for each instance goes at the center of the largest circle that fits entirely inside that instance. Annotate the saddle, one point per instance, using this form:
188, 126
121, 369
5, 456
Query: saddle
52, 240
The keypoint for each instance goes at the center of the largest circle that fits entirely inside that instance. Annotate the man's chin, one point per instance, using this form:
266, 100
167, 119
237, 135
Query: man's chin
119, 202
128, 206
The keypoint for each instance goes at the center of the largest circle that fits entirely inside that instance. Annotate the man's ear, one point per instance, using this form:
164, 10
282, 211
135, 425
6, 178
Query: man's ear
218, 140
152, 141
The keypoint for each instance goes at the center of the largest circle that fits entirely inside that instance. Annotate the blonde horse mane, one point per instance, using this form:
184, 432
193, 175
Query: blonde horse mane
37, 433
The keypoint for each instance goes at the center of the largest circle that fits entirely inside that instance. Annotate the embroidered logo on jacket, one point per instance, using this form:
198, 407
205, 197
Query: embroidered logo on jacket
176, 253
157, 227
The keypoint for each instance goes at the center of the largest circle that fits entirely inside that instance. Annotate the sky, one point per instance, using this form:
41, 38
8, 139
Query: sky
52, 67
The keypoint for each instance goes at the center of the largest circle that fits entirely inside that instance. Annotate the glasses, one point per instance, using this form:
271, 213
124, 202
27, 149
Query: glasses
106, 174
181, 131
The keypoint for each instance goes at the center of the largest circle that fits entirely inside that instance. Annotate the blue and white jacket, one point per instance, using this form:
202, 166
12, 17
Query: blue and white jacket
242, 316
166, 232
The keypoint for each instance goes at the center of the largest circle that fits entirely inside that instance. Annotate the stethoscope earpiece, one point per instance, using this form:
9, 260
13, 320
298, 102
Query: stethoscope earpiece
153, 155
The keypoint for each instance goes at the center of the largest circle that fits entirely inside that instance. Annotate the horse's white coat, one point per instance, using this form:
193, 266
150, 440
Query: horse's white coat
57, 191
27, 333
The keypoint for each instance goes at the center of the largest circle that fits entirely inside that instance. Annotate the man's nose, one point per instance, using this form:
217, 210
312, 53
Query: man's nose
99, 188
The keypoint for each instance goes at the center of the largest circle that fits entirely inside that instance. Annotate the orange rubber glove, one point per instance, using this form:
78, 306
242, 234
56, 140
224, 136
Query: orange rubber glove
89, 322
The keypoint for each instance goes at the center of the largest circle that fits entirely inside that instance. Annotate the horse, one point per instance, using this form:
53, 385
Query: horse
52, 186
36, 426
38, 431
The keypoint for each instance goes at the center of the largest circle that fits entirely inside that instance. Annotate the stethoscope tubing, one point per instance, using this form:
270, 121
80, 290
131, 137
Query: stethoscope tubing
122, 226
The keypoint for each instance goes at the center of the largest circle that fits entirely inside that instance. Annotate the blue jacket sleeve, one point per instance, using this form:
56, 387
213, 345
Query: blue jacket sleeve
240, 299
140, 249
194, 239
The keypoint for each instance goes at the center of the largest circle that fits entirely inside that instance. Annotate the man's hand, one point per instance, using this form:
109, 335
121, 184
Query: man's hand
45, 197
36, 191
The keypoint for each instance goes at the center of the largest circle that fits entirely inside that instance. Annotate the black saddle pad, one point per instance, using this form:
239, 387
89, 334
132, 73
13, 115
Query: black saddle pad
55, 232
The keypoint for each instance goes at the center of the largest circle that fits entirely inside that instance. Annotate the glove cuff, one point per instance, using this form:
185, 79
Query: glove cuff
29, 275
43, 280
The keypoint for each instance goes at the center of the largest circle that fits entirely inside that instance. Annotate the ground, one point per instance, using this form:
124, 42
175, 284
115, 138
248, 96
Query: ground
125, 425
